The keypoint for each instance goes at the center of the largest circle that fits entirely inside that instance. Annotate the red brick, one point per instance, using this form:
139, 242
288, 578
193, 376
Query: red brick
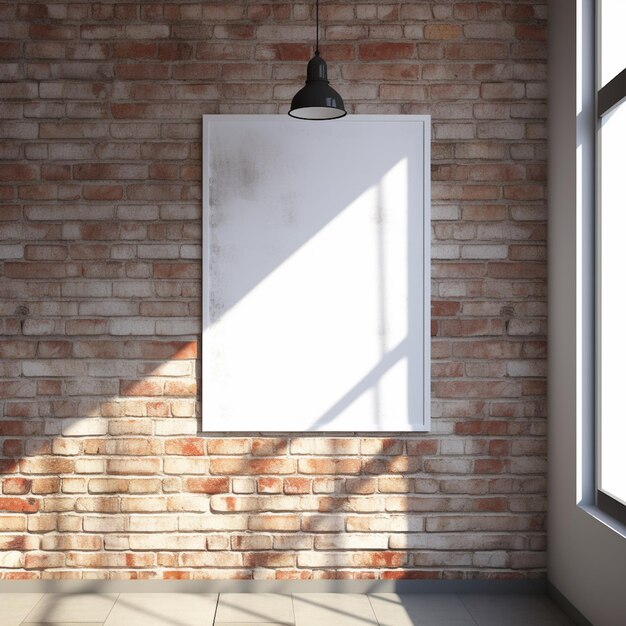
43, 253
531, 32
247, 467
276, 523
168, 349
387, 558
293, 485
444, 308
34, 270
269, 485
129, 71
442, 31
9, 466
134, 50
180, 388
269, 559
465, 10
56, 172
16, 486
476, 51
427, 446
52, 31
9, 50
489, 466
329, 466
379, 71
163, 171
223, 51
386, 51
476, 389
293, 52
481, 427
17, 349
185, 447
44, 560
140, 388
19, 505
471, 327
177, 270
404, 574
10, 213
12, 448
103, 192
268, 447
15, 172
38, 192
207, 485
517, 270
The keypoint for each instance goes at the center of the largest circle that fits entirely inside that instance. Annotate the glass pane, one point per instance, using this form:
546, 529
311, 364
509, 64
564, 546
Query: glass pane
612, 46
612, 305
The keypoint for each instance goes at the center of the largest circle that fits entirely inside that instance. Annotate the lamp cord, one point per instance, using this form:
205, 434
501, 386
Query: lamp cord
317, 27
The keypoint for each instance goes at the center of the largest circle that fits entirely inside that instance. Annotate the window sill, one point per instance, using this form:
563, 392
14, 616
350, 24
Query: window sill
605, 519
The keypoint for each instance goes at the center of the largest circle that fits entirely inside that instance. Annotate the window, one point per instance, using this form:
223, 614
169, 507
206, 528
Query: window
610, 261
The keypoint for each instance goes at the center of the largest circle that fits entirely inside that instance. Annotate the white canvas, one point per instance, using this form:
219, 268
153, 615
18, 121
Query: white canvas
316, 304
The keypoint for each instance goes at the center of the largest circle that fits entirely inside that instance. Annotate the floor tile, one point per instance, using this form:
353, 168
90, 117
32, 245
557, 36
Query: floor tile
312, 609
244, 608
514, 610
338, 609
16, 606
163, 609
57, 608
420, 610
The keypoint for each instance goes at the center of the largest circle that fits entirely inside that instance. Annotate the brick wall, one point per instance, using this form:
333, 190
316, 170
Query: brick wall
105, 472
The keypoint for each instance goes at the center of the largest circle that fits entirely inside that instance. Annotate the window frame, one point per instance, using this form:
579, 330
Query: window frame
608, 98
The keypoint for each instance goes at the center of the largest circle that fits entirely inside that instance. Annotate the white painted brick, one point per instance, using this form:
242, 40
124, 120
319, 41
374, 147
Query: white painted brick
81, 427
484, 252
445, 252
132, 327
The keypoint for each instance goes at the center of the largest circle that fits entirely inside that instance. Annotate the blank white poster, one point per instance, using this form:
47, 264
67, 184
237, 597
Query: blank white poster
316, 274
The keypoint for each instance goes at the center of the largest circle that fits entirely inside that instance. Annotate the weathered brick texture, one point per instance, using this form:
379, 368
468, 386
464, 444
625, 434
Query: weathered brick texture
104, 471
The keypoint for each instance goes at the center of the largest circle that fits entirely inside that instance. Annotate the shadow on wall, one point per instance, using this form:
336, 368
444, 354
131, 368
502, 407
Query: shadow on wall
133, 492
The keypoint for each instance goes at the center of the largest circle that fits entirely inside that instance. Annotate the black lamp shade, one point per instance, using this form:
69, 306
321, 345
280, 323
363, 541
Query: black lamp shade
317, 100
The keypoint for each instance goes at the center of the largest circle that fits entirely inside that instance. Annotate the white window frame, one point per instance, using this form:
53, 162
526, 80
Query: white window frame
608, 97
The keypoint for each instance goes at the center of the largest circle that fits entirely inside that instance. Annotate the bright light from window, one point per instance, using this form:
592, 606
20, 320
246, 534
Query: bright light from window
612, 303
612, 48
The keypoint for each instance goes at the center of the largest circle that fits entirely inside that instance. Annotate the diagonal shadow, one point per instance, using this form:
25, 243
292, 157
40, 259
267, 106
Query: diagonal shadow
248, 244
239, 159
365, 384
253, 613
304, 598
52, 600
301, 597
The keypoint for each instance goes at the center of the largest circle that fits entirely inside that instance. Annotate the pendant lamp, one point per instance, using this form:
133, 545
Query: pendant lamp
317, 100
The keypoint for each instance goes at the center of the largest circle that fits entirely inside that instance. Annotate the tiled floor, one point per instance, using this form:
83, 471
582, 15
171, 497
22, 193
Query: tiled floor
264, 609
